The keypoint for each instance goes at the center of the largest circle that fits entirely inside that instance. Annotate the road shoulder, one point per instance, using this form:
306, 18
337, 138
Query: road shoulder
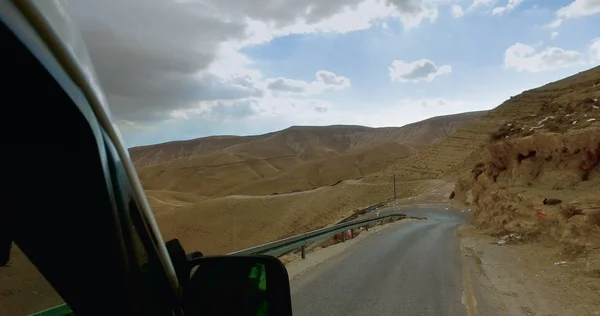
523, 279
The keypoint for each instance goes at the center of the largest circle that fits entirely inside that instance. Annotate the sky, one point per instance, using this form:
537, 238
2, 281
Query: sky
183, 69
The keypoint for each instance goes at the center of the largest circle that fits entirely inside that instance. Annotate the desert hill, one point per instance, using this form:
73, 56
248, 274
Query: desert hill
305, 142
294, 159
541, 145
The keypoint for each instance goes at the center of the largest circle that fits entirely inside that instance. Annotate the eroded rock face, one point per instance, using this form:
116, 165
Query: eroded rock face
557, 175
538, 174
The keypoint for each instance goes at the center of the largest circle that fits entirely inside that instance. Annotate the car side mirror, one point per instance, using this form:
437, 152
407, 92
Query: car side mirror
237, 285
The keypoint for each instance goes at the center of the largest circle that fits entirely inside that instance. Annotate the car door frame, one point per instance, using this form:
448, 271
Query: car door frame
48, 33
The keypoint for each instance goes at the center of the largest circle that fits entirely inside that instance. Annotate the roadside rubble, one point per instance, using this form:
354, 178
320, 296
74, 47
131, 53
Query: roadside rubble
560, 263
508, 238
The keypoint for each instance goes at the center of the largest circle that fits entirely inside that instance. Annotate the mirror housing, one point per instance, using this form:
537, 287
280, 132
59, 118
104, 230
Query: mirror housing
237, 285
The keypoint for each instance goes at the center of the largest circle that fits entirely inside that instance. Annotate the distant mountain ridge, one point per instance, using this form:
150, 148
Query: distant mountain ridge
298, 158
305, 142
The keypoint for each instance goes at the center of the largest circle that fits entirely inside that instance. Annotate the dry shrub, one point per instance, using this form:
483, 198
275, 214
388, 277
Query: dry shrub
548, 107
570, 210
555, 127
588, 100
508, 130
569, 109
501, 133
530, 154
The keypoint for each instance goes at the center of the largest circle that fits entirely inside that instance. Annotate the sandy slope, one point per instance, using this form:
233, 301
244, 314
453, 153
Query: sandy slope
225, 224
306, 142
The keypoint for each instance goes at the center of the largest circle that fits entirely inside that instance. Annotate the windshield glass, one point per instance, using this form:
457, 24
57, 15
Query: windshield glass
415, 151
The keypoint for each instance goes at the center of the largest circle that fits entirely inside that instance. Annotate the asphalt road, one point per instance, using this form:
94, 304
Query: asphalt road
414, 269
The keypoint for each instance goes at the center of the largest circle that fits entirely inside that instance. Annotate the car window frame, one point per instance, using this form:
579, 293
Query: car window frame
109, 151
54, 26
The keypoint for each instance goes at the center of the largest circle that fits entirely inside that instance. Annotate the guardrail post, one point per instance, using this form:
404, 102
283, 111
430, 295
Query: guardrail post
344, 236
303, 251
352, 233
367, 227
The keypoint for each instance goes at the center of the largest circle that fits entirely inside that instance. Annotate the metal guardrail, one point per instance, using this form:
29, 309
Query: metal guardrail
365, 210
283, 246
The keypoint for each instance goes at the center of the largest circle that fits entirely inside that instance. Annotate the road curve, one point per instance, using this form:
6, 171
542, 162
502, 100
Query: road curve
414, 269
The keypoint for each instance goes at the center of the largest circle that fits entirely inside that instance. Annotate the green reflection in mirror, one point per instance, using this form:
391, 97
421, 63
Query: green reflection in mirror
228, 287
258, 272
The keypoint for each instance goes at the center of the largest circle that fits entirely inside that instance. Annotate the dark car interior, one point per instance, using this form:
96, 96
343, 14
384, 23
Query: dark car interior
84, 235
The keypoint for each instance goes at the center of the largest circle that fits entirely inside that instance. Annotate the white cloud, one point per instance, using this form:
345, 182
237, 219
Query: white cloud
437, 103
523, 57
394, 113
579, 8
456, 11
483, 2
553, 35
269, 106
595, 49
420, 70
574, 10
179, 53
288, 85
555, 24
399, 112
293, 107
480, 3
324, 80
511, 5
359, 16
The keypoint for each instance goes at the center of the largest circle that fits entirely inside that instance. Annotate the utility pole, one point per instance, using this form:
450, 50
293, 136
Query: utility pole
394, 187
